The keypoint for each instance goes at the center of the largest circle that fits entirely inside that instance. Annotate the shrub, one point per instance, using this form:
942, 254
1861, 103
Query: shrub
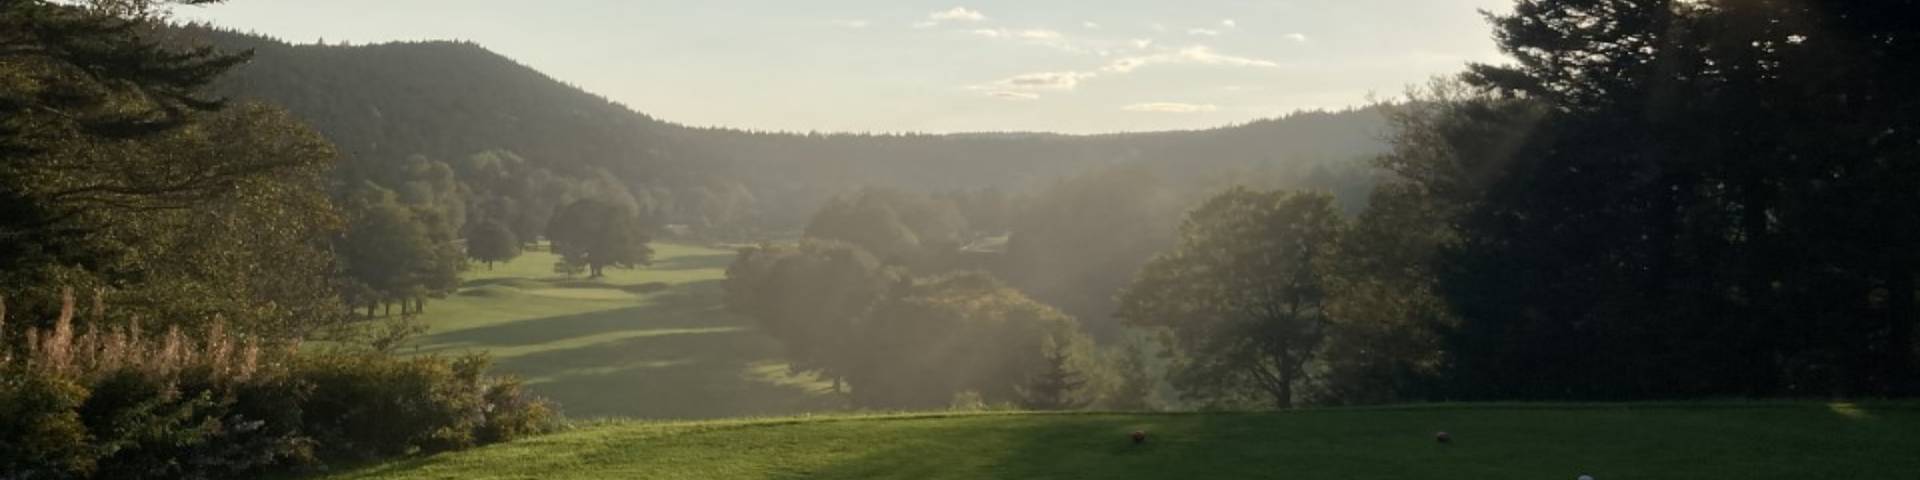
41, 435
365, 407
112, 402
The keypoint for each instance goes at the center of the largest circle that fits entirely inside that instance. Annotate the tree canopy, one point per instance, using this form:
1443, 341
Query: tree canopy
119, 172
1243, 293
599, 234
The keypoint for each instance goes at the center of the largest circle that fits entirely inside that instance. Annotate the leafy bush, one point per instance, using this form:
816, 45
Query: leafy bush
40, 430
112, 402
366, 407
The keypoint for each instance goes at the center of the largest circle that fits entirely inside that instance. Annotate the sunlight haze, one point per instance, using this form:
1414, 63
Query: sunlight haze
872, 66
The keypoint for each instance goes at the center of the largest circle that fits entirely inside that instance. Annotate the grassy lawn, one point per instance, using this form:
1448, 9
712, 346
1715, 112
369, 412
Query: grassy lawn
653, 342
656, 343
1738, 441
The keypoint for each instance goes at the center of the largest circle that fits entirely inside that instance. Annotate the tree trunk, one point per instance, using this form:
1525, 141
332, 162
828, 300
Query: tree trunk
389, 308
836, 384
595, 267
1284, 398
1901, 316
420, 305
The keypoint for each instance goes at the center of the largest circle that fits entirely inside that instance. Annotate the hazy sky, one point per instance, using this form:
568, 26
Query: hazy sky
976, 65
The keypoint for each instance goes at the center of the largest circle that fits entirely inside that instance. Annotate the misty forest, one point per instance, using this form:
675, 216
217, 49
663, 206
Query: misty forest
1654, 239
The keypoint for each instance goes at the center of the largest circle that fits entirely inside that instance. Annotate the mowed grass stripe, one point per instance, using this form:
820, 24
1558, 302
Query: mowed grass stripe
651, 342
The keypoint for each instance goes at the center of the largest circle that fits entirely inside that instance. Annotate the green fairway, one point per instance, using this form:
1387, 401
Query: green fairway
1743, 442
653, 342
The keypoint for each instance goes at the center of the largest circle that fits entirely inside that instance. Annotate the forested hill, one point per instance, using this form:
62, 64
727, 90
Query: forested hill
446, 101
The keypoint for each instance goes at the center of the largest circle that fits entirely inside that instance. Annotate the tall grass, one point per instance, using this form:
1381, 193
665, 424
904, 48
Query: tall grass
89, 399
85, 353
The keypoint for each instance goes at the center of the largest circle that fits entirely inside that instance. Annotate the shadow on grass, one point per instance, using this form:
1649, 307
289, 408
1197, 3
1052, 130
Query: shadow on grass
514, 282
1794, 442
646, 288
1032, 447
679, 355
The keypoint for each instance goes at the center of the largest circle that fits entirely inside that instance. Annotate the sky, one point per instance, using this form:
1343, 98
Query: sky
1087, 66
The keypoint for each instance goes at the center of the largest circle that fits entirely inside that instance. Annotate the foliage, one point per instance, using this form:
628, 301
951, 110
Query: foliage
953, 333
814, 297
903, 342
383, 103
1384, 311
901, 228
40, 427
1136, 387
97, 400
396, 252
598, 234
1722, 185
492, 242
1243, 294
118, 172
365, 407
1056, 386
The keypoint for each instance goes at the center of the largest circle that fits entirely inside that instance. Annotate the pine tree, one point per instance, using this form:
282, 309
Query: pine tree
1137, 384
1057, 385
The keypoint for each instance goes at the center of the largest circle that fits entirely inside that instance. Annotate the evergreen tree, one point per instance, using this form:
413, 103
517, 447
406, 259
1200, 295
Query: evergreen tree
118, 171
1137, 385
1057, 385
1720, 184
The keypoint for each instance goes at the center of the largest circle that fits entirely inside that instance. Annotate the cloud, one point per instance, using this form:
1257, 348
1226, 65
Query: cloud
1203, 32
1198, 55
957, 14
1142, 43
925, 24
1090, 25
1043, 37
1170, 107
1158, 27
1229, 23
1297, 37
851, 23
1039, 34
1044, 81
1012, 95
1030, 34
1206, 56
1070, 80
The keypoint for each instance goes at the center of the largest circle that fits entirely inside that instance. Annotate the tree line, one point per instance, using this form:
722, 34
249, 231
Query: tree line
1655, 200
205, 232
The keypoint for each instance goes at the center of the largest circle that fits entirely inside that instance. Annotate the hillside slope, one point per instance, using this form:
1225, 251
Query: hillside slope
1746, 442
382, 103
